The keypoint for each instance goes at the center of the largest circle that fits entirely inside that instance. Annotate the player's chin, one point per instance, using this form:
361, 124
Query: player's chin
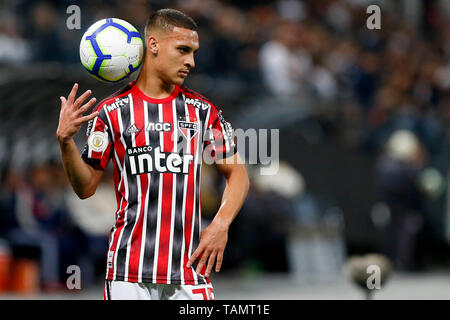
179, 80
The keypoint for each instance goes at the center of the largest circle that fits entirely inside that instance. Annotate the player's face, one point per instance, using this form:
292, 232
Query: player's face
176, 54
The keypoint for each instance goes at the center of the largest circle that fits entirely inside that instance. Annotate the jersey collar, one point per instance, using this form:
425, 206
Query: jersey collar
172, 96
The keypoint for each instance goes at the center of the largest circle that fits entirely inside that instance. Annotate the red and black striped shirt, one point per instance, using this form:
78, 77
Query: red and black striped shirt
156, 146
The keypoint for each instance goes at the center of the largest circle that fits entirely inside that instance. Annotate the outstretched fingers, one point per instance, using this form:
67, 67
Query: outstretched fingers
81, 99
88, 117
72, 94
63, 102
86, 106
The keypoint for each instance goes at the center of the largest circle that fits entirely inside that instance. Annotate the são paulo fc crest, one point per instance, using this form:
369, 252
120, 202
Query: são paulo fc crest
98, 141
185, 127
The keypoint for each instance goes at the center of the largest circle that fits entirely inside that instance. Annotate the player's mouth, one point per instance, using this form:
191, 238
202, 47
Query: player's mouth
183, 73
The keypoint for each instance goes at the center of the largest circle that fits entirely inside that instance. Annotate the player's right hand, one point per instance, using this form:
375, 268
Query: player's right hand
71, 116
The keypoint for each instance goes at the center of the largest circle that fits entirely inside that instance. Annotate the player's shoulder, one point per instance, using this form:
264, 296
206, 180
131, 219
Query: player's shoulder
197, 99
113, 98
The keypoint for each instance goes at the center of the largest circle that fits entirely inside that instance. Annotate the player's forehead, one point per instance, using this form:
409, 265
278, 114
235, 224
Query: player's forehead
184, 36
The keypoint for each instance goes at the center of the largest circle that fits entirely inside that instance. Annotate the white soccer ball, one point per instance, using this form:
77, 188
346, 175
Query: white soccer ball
111, 49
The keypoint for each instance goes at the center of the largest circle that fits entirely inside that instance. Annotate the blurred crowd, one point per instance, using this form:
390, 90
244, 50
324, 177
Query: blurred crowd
45, 228
364, 84
384, 93
369, 82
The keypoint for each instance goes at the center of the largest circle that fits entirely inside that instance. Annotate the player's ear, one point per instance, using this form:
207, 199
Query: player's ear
152, 45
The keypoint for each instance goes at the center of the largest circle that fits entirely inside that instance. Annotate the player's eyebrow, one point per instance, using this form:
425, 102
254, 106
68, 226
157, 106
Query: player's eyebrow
184, 46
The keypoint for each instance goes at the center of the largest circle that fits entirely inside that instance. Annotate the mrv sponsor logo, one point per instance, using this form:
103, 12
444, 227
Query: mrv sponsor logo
147, 159
119, 103
199, 104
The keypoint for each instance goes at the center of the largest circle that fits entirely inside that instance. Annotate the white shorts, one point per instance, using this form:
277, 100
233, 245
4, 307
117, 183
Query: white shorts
121, 290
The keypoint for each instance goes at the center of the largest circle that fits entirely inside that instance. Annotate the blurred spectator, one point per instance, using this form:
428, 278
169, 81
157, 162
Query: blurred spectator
46, 42
398, 176
94, 217
283, 63
322, 81
226, 44
260, 228
18, 211
135, 11
294, 10
13, 48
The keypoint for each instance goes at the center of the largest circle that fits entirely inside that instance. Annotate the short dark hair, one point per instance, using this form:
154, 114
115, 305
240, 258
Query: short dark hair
167, 19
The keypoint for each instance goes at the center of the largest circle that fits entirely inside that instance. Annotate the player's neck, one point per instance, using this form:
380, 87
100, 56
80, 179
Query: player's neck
153, 86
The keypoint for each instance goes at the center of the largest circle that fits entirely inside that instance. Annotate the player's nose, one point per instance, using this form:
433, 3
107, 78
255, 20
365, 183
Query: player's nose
190, 62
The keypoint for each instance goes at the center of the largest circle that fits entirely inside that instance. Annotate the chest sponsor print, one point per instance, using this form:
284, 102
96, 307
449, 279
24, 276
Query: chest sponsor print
147, 159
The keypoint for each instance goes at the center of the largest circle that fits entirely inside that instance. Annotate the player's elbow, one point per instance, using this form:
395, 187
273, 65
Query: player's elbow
85, 188
83, 196
84, 193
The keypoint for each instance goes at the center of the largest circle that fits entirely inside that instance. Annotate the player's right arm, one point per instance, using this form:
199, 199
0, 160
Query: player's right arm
83, 178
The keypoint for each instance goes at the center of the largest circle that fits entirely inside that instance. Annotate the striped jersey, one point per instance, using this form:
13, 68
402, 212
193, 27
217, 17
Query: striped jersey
157, 147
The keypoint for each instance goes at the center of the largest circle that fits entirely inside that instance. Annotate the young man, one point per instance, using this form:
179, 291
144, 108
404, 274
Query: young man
155, 132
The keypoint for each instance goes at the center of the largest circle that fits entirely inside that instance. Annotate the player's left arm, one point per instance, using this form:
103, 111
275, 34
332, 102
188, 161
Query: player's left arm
214, 238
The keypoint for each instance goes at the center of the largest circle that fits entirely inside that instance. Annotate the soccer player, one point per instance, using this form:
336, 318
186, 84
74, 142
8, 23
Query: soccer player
156, 132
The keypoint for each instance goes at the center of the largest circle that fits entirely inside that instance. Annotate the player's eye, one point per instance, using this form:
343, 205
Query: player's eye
183, 49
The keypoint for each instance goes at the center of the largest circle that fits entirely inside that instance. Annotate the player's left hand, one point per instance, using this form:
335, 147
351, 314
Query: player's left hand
211, 247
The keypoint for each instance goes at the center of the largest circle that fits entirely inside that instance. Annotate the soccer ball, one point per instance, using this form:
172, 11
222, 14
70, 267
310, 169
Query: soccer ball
111, 49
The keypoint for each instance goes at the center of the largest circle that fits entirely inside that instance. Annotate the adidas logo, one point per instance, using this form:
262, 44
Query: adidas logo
133, 129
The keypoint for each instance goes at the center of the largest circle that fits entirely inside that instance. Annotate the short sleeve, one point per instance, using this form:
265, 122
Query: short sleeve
99, 143
219, 136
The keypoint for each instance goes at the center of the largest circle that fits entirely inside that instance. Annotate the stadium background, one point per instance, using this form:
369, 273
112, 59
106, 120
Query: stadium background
363, 117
